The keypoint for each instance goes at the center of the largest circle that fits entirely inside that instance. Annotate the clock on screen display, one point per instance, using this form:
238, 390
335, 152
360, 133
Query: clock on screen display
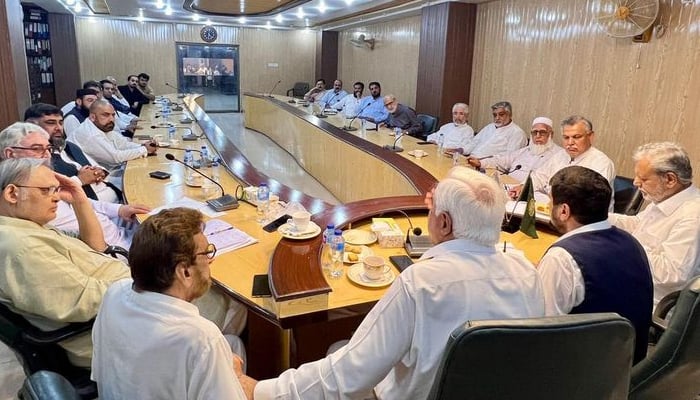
208, 34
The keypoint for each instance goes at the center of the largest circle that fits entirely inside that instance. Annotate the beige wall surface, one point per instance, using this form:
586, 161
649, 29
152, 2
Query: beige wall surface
120, 48
393, 62
548, 57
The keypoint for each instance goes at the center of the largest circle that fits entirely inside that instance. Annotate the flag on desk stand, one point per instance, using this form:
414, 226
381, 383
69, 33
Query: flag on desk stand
527, 224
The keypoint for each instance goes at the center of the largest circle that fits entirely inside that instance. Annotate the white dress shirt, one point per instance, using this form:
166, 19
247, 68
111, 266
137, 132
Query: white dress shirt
670, 234
398, 347
562, 280
491, 141
592, 159
525, 157
110, 149
453, 136
149, 345
103, 192
107, 214
349, 104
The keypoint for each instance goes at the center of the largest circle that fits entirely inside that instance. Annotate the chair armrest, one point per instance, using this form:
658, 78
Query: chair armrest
42, 338
290, 90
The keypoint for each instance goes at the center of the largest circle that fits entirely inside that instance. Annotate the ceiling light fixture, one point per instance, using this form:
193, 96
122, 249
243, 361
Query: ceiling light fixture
300, 13
322, 7
207, 22
348, 2
242, 20
140, 18
168, 10
70, 2
268, 25
160, 4
279, 18
78, 6
195, 17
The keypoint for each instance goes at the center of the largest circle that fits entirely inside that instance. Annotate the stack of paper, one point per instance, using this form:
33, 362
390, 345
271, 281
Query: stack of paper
225, 237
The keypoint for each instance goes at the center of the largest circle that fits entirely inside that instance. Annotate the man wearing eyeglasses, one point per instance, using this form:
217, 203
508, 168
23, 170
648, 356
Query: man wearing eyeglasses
519, 163
402, 117
150, 332
499, 137
25, 140
48, 276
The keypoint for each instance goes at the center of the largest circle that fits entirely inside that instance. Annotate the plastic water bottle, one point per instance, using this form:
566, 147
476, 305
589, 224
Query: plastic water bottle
337, 250
326, 252
204, 156
263, 200
398, 137
189, 161
441, 143
171, 132
215, 170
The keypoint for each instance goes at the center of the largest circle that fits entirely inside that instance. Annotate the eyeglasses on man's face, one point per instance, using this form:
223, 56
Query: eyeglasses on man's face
37, 148
539, 133
210, 252
46, 190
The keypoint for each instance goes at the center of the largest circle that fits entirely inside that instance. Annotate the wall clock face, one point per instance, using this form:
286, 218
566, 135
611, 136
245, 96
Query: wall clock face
208, 34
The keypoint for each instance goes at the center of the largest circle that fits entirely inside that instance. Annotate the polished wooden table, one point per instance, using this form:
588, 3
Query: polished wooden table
307, 311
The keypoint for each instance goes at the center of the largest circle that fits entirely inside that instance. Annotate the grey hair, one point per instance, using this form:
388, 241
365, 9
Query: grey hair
667, 157
575, 119
475, 203
503, 104
461, 105
18, 170
13, 134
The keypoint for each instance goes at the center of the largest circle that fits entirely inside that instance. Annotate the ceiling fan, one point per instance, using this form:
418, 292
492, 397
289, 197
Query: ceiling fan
362, 42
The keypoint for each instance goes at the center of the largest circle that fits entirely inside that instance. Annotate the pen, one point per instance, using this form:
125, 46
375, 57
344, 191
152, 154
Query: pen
484, 158
219, 231
504, 246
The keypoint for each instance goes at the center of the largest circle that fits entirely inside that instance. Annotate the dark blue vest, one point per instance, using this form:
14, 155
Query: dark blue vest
617, 278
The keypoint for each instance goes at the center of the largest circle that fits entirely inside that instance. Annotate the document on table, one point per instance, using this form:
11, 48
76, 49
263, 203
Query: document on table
225, 237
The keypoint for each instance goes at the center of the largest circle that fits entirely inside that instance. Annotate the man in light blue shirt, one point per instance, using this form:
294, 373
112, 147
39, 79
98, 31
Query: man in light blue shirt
372, 107
332, 97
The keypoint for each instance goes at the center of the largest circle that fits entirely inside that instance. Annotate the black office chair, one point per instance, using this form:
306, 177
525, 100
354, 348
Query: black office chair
573, 357
299, 90
628, 198
672, 370
429, 123
47, 385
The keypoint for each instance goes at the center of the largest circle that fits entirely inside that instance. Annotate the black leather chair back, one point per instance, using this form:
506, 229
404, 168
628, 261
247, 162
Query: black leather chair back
672, 370
628, 198
47, 385
429, 123
299, 90
573, 357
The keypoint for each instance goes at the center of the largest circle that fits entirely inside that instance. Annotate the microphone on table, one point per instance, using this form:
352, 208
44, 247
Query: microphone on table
508, 171
269, 94
415, 244
393, 147
179, 92
326, 106
223, 203
350, 128
172, 148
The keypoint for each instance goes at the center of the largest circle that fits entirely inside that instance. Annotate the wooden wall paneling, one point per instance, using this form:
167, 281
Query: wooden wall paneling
549, 57
14, 92
64, 51
327, 57
393, 62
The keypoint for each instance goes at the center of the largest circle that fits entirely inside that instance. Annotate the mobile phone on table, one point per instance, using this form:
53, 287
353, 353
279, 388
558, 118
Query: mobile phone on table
401, 262
261, 286
159, 175
423, 142
272, 226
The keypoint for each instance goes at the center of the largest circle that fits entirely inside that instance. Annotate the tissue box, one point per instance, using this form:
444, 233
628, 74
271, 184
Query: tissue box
389, 234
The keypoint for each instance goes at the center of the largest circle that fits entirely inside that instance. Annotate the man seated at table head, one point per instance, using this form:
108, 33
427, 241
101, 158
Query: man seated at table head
83, 101
499, 137
594, 267
397, 349
68, 159
316, 92
350, 103
148, 329
668, 227
332, 97
25, 140
98, 139
519, 163
372, 107
456, 134
47, 276
402, 117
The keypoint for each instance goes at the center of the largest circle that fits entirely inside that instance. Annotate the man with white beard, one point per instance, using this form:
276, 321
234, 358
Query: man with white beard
519, 163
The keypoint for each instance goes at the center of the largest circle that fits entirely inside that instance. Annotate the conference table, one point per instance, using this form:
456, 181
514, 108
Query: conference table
307, 310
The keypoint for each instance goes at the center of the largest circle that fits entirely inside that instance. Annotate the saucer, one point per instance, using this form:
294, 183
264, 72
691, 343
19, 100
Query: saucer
413, 153
287, 231
356, 273
359, 236
366, 251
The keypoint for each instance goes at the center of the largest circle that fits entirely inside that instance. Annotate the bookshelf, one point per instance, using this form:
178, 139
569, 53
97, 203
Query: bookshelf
37, 46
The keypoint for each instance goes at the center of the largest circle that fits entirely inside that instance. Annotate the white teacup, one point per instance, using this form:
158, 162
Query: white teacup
158, 138
174, 142
374, 267
300, 221
419, 153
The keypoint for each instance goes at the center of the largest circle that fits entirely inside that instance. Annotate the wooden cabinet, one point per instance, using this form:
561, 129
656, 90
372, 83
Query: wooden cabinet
37, 46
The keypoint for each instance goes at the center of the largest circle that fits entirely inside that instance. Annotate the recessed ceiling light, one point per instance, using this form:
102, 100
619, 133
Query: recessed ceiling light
207, 22
160, 4
268, 25
78, 7
279, 18
195, 17
300, 13
348, 2
322, 7
168, 11
242, 20
70, 2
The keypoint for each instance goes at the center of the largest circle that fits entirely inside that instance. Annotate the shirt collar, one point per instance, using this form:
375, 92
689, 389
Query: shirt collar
461, 245
596, 226
668, 206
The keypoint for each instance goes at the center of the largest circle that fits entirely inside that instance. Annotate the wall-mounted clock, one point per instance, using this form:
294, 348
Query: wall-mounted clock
208, 34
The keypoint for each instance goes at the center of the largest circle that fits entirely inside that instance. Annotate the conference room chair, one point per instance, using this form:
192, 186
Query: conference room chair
299, 90
47, 385
573, 357
628, 198
672, 370
39, 350
429, 123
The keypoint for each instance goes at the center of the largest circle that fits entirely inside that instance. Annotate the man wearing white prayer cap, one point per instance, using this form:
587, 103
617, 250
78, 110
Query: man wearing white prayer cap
519, 163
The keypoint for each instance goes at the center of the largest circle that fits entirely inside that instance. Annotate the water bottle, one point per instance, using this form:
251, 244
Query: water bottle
189, 161
215, 170
326, 252
263, 200
398, 137
337, 250
441, 143
171, 133
204, 156
455, 158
